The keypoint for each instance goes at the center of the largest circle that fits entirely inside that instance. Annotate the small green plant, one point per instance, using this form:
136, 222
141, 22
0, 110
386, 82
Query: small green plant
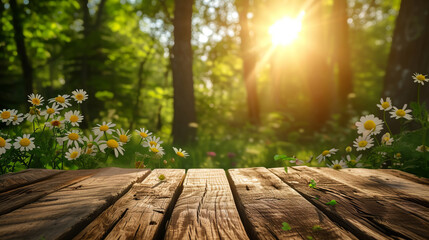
286, 226
316, 228
332, 203
312, 184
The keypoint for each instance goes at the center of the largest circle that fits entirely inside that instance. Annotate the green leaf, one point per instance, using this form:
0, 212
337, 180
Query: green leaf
316, 228
312, 184
279, 157
286, 226
331, 203
286, 169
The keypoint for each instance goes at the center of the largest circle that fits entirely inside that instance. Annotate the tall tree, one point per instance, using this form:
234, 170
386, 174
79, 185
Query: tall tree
183, 83
27, 68
409, 52
249, 62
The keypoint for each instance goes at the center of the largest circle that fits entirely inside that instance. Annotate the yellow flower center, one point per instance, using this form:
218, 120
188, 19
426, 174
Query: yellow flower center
5, 115
400, 112
326, 152
50, 110
362, 143
55, 123
421, 77
369, 125
143, 134
155, 150
35, 101
74, 118
90, 145
112, 143
24, 142
398, 155
15, 117
180, 154
79, 96
337, 167
123, 138
386, 139
104, 128
60, 99
73, 136
73, 154
348, 149
89, 151
2, 142
152, 143
385, 105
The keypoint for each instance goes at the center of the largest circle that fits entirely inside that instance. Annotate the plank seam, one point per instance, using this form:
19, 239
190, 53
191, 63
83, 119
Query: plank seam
32, 182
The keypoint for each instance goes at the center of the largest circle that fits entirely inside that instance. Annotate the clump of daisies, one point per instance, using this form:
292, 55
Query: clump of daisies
56, 141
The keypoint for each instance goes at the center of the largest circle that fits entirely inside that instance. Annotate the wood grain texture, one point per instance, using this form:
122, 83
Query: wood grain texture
64, 213
406, 175
142, 212
265, 202
205, 209
365, 215
17, 179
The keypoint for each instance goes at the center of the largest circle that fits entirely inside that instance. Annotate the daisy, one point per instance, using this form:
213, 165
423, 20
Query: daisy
385, 105
354, 162
420, 78
369, 124
24, 143
51, 111
386, 139
151, 141
181, 153
73, 117
72, 137
422, 148
73, 153
113, 144
55, 123
62, 100
79, 95
91, 144
143, 133
363, 142
103, 128
337, 165
123, 136
401, 113
17, 119
157, 149
32, 114
4, 145
397, 155
325, 154
35, 99
6, 115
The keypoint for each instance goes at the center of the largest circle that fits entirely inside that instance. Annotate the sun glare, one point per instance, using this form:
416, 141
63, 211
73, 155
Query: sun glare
286, 30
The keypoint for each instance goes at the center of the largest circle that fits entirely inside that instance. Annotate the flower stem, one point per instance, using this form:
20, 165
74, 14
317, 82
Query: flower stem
385, 123
418, 95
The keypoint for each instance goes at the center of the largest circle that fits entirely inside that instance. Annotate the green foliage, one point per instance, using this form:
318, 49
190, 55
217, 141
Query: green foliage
286, 226
332, 203
312, 184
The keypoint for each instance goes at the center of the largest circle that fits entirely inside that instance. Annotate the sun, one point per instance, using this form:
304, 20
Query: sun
285, 30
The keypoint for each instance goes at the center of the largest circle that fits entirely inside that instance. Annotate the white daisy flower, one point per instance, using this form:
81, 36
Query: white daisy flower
337, 165
103, 128
73, 153
401, 113
32, 114
79, 95
180, 152
24, 143
35, 99
420, 78
385, 105
397, 156
325, 154
6, 115
369, 125
91, 145
123, 136
143, 133
73, 137
363, 142
354, 162
51, 111
4, 145
73, 117
55, 123
386, 139
112, 144
17, 119
157, 149
422, 148
62, 100
152, 141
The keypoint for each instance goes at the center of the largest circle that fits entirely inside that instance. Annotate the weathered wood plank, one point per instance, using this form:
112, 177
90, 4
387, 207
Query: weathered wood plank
365, 215
205, 209
19, 197
406, 175
17, 179
265, 202
142, 212
66, 212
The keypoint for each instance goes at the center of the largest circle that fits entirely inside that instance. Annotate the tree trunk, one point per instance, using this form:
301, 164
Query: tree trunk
183, 84
27, 68
409, 53
249, 63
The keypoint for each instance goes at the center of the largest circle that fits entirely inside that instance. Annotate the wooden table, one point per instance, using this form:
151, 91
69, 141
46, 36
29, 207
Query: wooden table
249, 203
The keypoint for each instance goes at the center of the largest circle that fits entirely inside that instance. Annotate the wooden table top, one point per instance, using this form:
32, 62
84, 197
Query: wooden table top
247, 203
